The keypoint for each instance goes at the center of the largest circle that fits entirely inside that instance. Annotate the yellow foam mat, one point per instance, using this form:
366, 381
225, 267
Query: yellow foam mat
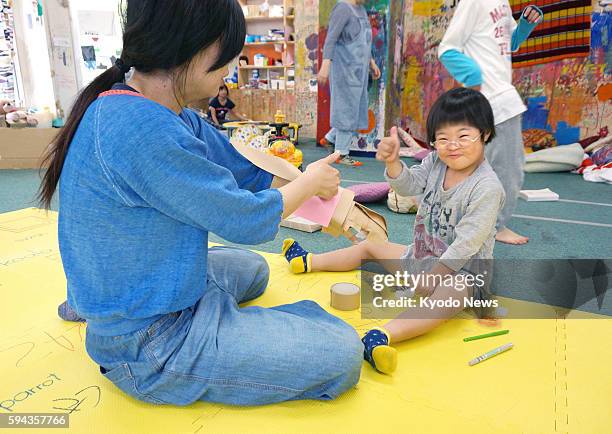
558, 377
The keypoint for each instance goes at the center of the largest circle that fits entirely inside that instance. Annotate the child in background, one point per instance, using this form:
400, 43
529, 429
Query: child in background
220, 106
455, 223
476, 50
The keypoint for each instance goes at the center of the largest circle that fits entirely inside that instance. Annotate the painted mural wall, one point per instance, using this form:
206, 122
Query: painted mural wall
379, 14
571, 98
306, 64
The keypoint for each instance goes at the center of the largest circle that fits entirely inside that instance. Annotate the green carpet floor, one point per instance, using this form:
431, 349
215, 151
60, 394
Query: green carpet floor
579, 236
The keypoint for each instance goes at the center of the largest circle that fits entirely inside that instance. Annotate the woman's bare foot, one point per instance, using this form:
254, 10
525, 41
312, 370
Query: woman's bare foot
510, 237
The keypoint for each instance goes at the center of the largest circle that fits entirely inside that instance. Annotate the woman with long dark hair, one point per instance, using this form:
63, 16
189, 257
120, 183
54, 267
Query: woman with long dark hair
141, 183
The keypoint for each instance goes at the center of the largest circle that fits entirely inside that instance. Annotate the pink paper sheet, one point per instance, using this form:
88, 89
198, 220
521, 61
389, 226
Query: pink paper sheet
318, 210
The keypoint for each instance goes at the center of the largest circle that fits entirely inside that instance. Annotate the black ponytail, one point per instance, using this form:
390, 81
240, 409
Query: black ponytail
157, 36
56, 153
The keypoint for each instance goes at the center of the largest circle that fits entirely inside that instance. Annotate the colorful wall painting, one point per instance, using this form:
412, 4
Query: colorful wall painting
570, 98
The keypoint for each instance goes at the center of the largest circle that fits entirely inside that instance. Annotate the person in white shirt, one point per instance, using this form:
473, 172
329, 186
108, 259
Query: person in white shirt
476, 49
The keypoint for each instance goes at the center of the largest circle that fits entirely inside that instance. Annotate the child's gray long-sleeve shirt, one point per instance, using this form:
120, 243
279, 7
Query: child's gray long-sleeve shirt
455, 225
343, 26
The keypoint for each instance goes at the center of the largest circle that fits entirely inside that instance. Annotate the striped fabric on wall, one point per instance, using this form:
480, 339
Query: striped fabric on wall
564, 33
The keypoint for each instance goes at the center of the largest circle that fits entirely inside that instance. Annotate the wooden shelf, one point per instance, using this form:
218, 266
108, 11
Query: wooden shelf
264, 67
269, 49
251, 89
249, 19
263, 44
259, 44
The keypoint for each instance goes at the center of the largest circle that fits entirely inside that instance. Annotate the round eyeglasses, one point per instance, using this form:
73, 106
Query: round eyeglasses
463, 142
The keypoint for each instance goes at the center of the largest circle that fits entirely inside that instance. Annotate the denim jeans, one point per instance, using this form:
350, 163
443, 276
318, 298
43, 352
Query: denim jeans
219, 352
341, 139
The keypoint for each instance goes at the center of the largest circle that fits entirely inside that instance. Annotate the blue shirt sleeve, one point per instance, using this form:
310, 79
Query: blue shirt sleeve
168, 169
524, 29
340, 16
463, 68
247, 175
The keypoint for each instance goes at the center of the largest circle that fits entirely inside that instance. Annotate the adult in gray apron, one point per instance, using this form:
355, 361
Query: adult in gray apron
349, 75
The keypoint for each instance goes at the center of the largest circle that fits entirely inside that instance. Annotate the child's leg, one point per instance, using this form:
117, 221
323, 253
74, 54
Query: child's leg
346, 259
506, 155
419, 320
376, 342
350, 258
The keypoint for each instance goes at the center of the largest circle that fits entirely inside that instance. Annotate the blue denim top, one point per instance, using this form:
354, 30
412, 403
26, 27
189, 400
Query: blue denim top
140, 189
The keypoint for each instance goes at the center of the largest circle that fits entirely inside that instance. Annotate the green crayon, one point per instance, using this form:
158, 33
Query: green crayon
486, 335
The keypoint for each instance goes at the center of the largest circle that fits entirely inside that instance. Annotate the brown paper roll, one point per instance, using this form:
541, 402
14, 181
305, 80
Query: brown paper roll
345, 296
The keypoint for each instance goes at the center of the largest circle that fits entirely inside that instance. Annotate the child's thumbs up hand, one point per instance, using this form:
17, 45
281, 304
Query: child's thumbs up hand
388, 148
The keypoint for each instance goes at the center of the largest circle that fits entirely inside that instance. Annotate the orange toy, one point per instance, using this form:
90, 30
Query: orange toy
286, 150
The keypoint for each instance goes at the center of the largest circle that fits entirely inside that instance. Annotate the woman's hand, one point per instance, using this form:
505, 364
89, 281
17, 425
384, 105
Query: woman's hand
375, 70
319, 179
324, 176
323, 76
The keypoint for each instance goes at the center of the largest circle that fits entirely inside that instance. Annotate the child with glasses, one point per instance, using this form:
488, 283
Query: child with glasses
454, 226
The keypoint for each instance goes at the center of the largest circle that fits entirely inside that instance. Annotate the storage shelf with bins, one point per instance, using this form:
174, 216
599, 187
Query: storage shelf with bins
8, 55
281, 52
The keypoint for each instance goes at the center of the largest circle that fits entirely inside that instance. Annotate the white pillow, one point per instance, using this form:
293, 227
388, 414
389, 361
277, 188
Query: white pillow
558, 159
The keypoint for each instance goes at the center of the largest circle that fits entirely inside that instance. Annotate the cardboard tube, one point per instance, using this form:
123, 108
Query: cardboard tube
345, 296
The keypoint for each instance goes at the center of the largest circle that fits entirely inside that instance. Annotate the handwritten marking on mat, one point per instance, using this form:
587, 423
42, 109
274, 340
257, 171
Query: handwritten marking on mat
8, 405
212, 415
30, 346
69, 346
6, 262
79, 398
30, 237
24, 224
34, 344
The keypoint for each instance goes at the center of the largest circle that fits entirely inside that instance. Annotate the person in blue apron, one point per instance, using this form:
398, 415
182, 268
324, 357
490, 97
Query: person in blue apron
347, 60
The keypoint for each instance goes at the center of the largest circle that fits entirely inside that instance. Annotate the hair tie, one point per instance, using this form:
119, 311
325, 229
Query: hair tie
122, 66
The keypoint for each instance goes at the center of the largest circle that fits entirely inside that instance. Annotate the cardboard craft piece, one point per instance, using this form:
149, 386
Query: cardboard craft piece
346, 202
300, 224
348, 216
351, 218
359, 223
271, 164
363, 219
318, 210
